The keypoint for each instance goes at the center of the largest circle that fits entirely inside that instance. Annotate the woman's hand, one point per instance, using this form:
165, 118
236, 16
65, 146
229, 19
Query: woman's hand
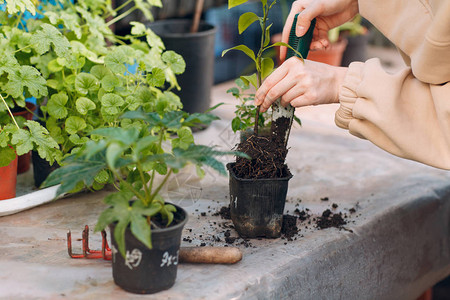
301, 84
328, 14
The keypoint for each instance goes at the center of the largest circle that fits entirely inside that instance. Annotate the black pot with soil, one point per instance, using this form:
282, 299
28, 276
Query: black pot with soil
41, 168
144, 270
258, 186
257, 205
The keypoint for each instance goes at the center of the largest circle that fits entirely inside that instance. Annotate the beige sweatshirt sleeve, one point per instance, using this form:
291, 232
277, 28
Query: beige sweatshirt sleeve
404, 115
397, 112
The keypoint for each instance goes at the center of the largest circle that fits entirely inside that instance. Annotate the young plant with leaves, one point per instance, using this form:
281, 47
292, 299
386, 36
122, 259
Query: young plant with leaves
133, 157
264, 64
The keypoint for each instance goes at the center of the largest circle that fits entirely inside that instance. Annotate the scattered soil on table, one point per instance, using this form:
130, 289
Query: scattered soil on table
267, 154
329, 219
224, 213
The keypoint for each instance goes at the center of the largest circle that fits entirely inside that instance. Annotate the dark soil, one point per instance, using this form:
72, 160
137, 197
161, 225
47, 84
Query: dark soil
267, 154
289, 228
329, 219
224, 212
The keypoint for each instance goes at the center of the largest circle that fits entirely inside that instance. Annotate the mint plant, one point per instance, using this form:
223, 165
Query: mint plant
264, 64
132, 157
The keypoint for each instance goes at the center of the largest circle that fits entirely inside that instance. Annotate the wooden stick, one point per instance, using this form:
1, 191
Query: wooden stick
197, 14
210, 255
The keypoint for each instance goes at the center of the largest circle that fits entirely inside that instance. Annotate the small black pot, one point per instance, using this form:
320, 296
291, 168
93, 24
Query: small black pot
257, 205
197, 50
41, 168
148, 271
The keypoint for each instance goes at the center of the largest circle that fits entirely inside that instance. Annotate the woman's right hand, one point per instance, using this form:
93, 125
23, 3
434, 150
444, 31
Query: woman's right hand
328, 14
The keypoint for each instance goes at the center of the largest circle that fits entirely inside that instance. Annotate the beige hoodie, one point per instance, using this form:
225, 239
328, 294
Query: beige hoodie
407, 113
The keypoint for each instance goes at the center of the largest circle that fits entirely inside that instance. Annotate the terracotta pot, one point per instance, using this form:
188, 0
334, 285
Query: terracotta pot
24, 162
332, 55
8, 180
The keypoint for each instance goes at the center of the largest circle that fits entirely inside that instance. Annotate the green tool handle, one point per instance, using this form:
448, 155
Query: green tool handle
301, 44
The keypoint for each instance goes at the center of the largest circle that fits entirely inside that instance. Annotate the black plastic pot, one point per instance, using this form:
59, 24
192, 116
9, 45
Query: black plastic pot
41, 168
257, 205
148, 271
197, 50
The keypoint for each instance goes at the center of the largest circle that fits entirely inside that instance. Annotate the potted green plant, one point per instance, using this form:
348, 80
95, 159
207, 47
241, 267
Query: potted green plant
258, 186
88, 76
17, 140
145, 230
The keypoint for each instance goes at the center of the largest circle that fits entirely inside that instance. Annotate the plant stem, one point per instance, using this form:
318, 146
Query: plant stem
130, 187
120, 7
161, 185
258, 67
121, 16
9, 111
153, 171
141, 173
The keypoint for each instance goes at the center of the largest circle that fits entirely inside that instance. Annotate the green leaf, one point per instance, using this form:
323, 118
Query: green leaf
267, 36
236, 124
29, 77
75, 139
267, 66
15, 6
113, 153
250, 79
174, 61
85, 83
7, 155
234, 91
233, 3
185, 138
111, 103
74, 170
241, 84
110, 82
156, 78
102, 177
125, 136
116, 60
74, 124
56, 106
84, 105
43, 39
100, 71
245, 20
244, 49
39, 139
141, 229
8, 63
54, 66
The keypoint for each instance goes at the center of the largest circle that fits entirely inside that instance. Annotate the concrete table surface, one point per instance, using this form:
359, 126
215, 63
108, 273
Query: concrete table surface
397, 243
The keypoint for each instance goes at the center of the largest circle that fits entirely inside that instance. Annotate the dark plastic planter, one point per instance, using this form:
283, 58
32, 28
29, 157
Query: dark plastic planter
41, 168
197, 50
148, 271
257, 205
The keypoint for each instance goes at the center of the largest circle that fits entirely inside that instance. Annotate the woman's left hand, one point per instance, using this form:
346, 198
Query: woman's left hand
301, 83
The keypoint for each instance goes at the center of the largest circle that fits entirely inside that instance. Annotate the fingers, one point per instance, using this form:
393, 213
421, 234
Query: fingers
305, 17
272, 88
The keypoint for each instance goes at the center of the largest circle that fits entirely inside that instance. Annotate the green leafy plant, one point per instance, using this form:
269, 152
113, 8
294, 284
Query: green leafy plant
133, 157
18, 139
82, 74
264, 65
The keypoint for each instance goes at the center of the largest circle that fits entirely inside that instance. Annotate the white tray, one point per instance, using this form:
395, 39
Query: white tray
27, 195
